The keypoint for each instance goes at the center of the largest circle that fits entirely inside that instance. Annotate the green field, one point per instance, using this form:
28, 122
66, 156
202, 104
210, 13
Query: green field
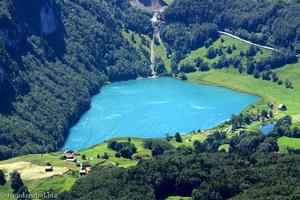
284, 142
224, 147
178, 198
160, 51
228, 41
168, 2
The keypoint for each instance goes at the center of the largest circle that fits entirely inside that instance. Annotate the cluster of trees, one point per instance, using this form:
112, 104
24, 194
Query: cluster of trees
277, 22
16, 183
124, 149
47, 76
159, 66
157, 147
283, 127
252, 169
2, 178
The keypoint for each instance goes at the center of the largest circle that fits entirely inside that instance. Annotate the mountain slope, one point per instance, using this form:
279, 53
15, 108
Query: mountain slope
54, 55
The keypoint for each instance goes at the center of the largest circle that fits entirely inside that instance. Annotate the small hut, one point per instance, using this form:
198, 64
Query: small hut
82, 172
71, 160
48, 168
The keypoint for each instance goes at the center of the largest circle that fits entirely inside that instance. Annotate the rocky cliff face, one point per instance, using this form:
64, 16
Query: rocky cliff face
48, 18
30, 17
19, 21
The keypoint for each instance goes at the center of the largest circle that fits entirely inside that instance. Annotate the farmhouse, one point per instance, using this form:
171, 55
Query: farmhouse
67, 155
48, 169
282, 107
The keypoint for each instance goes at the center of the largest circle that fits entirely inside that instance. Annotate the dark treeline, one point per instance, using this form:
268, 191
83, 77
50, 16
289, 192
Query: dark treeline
183, 39
54, 55
251, 170
272, 22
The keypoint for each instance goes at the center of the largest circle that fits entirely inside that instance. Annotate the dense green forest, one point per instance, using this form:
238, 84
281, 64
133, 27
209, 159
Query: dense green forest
272, 22
251, 170
54, 55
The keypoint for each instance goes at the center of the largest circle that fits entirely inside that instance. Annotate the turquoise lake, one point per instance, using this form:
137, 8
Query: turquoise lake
151, 108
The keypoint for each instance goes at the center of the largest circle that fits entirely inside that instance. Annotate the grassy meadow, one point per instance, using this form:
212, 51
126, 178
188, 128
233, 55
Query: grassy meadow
284, 142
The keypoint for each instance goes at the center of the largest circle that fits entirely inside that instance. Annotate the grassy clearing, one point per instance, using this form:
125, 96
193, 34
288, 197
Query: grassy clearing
136, 40
160, 51
188, 140
168, 2
100, 149
178, 198
57, 183
224, 147
228, 41
29, 171
285, 142
5, 191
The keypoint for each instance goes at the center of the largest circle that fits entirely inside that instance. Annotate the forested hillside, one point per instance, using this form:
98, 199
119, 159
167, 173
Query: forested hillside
53, 56
274, 22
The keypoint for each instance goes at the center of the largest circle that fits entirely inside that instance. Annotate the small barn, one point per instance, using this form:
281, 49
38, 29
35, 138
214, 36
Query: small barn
71, 160
82, 172
282, 107
48, 168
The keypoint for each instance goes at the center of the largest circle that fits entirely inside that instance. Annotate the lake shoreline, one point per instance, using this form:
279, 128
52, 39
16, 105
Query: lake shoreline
214, 113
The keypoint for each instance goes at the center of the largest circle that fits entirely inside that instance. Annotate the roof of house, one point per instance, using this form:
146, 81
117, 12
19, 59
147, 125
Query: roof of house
68, 155
71, 159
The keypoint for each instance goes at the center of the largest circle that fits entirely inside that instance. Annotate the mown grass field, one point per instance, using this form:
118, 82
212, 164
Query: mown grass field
178, 198
168, 2
284, 142
160, 51
228, 41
